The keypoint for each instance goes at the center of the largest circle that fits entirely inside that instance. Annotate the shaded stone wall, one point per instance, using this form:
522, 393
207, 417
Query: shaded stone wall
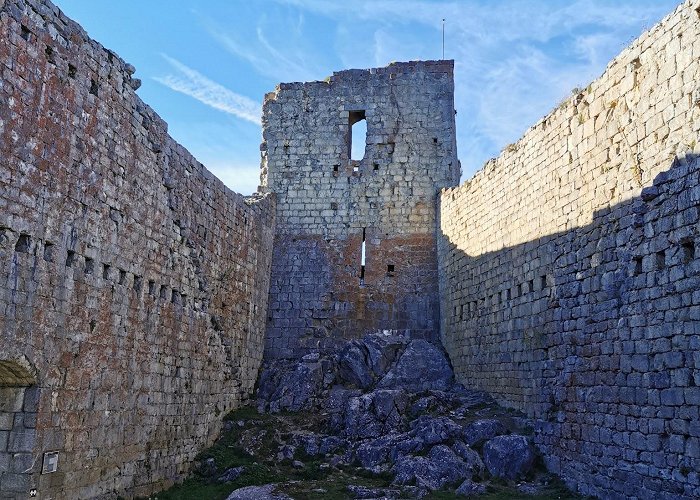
328, 202
570, 292
131, 279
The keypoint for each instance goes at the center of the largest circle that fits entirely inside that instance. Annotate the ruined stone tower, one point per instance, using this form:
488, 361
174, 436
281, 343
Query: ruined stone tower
355, 245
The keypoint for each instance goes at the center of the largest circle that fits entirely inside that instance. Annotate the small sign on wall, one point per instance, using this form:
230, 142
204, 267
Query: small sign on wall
50, 462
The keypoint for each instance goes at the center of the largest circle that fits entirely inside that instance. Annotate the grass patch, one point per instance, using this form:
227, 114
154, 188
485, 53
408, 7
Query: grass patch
261, 434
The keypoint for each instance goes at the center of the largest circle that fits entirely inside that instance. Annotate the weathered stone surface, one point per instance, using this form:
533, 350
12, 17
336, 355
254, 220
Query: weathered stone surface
508, 456
440, 468
353, 366
373, 453
421, 367
470, 457
373, 493
231, 474
266, 492
291, 387
470, 489
479, 431
133, 283
569, 272
329, 203
433, 430
374, 414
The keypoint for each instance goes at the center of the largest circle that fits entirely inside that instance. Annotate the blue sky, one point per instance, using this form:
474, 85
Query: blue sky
206, 65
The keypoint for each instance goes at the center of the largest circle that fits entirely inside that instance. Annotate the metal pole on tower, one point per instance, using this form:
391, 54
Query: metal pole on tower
443, 38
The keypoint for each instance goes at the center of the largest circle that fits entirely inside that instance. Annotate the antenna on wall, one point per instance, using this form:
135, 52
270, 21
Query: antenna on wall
443, 38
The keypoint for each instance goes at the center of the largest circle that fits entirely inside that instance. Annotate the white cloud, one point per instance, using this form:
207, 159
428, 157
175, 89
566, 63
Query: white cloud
292, 62
514, 60
240, 178
197, 86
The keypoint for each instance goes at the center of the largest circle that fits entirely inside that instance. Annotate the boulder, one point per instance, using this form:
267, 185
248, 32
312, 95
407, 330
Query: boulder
440, 468
353, 367
433, 430
470, 457
470, 489
375, 452
479, 431
231, 474
292, 387
266, 492
374, 493
374, 414
335, 405
362, 362
382, 350
331, 444
508, 457
389, 406
421, 367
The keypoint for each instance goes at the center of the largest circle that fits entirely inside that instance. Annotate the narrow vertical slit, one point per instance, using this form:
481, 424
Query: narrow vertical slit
362, 261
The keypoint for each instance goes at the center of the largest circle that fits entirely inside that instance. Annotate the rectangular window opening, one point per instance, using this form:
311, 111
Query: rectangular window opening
70, 258
531, 286
89, 265
163, 291
23, 243
122, 277
138, 281
336, 168
688, 251
48, 251
637, 261
49, 55
151, 288
363, 257
390, 270
543, 282
357, 137
105, 271
660, 259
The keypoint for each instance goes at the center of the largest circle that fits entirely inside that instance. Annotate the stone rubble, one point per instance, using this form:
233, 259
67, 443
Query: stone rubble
392, 406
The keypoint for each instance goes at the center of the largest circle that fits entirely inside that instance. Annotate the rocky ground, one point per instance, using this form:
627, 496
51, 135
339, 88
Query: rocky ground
382, 419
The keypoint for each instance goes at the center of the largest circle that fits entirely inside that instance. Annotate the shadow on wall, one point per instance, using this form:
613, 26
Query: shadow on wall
19, 396
595, 333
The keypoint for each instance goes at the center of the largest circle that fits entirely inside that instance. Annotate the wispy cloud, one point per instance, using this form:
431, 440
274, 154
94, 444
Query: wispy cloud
192, 83
514, 60
292, 61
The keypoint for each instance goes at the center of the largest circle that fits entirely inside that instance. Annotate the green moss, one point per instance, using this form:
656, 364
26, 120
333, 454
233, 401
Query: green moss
315, 481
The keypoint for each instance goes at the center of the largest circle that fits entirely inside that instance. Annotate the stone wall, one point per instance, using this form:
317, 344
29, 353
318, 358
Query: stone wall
570, 292
132, 281
328, 203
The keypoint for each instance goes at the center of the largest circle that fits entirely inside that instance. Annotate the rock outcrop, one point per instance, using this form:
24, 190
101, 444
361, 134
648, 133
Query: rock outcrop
391, 405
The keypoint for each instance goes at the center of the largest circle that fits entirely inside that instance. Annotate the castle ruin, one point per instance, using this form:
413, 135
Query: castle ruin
138, 294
